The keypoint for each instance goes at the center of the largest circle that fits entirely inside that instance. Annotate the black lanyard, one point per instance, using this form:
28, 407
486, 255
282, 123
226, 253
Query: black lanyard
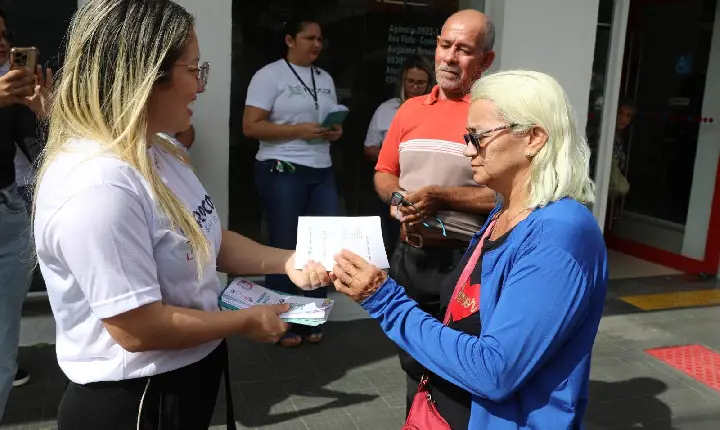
313, 93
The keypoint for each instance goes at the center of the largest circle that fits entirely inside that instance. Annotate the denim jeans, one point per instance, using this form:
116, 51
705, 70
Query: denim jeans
15, 268
286, 196
26, 192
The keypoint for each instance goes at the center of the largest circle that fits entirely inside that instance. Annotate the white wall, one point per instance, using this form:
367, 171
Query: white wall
556, 37
706, 160
211, 117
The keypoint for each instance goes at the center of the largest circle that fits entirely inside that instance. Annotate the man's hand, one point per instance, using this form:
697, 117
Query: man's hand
427, 200
16, 86
38, 100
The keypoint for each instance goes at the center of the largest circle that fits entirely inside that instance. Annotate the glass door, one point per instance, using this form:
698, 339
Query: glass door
665, 156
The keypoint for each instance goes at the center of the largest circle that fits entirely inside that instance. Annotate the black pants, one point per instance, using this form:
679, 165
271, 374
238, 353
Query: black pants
422, 273
183, 399
390, 226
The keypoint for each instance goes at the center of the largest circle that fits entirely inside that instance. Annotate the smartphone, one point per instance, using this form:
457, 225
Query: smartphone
24, 58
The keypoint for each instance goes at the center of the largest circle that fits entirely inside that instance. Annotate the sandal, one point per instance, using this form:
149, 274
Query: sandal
316, 335
290, 340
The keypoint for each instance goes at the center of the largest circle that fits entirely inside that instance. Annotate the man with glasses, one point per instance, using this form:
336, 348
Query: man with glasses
19, 89
424, 177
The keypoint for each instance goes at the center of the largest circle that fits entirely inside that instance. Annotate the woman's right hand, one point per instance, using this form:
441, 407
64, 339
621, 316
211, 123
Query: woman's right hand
263, 323
310, 131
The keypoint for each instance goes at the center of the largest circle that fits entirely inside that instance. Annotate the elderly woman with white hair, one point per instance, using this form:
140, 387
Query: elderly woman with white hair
523, 307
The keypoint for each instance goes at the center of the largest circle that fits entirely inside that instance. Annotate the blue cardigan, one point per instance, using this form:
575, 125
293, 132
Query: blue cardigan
542, 295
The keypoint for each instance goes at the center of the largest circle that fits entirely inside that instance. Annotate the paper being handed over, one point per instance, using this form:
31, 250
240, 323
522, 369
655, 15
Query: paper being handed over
320, 238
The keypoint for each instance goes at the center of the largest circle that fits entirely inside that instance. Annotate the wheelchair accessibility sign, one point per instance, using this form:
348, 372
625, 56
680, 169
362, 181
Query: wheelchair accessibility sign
684, 65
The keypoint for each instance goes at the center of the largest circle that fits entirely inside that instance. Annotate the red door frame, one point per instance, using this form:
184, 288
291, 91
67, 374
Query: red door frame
708, 265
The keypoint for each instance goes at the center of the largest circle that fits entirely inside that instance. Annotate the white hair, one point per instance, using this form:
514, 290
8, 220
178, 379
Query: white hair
562, 167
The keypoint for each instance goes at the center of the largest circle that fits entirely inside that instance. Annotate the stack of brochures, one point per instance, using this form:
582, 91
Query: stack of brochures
242, 294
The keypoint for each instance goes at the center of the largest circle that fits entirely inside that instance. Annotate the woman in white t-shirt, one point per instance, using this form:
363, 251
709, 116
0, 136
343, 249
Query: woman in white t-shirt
128, 239
417, 79
286, 102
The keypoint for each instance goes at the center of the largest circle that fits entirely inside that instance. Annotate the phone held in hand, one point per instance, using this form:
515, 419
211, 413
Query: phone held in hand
24, 58
336, 117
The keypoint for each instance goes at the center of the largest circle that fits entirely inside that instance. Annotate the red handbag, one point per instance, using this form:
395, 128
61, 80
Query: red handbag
423, 413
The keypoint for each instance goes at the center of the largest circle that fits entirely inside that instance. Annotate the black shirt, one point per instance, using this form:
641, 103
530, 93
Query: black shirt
453, 402
17, 123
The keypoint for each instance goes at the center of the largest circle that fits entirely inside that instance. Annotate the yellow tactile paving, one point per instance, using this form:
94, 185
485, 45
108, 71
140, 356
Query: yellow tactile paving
680, 299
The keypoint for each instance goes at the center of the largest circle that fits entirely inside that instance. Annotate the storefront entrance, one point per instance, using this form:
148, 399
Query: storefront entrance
364, 45
663, 203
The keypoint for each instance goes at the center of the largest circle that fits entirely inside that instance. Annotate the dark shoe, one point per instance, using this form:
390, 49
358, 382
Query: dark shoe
21, 378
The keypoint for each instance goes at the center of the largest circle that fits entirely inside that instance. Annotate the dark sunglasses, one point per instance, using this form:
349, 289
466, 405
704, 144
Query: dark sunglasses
397, 199
475, 138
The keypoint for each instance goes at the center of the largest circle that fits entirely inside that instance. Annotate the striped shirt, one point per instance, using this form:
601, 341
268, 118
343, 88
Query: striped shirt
424, 146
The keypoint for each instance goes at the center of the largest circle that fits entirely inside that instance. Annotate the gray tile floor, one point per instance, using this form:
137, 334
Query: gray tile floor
353, 381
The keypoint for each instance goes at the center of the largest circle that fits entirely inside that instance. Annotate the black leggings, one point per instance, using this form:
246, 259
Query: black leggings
183, 399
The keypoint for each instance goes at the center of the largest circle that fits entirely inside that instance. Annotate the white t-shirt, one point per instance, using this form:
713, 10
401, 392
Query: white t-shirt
105, 248
380, 122
276, 89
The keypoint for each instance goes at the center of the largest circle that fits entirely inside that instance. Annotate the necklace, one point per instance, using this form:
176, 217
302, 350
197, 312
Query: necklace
507, 223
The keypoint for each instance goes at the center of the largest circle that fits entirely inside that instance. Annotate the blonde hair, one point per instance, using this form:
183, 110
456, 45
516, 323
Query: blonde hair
117, 51
562, 167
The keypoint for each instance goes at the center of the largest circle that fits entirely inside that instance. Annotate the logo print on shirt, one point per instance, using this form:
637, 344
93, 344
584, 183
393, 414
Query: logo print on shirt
204, 210
188, 256
157, 161
299, 90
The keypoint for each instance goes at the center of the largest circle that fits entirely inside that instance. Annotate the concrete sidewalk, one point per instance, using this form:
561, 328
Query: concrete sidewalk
353, 381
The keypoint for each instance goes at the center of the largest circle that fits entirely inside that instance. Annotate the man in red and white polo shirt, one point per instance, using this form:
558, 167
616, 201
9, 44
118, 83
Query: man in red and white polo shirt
422, 157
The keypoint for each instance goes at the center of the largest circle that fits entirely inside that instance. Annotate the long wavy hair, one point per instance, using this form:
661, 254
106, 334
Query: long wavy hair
116, 52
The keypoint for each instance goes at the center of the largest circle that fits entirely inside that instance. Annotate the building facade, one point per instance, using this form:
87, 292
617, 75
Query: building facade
664, 55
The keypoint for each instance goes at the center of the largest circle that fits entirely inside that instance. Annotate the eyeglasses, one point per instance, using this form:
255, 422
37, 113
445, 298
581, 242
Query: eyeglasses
397, 199
202, 71
475, 138
418, 83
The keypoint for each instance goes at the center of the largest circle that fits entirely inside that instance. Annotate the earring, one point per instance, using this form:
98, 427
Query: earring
529, 155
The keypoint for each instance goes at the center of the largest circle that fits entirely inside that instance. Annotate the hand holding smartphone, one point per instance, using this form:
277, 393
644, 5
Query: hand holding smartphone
24, 58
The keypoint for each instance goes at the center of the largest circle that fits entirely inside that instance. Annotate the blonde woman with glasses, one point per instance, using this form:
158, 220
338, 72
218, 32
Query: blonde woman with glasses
128, 239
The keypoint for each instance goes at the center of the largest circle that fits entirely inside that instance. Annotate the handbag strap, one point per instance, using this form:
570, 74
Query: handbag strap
469, 267
467, 271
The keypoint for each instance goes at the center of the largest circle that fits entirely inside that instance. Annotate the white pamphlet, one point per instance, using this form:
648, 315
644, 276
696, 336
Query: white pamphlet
242, 294
320, 238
